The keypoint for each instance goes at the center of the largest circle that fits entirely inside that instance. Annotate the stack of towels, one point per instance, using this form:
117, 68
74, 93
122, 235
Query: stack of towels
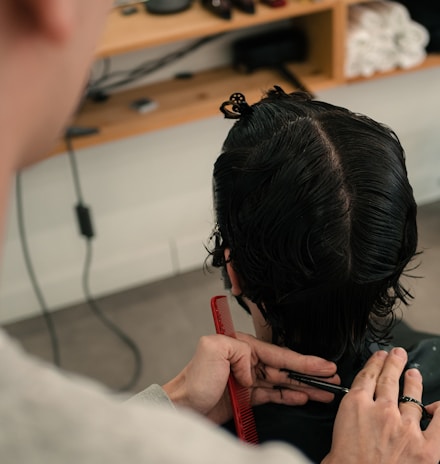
382, 36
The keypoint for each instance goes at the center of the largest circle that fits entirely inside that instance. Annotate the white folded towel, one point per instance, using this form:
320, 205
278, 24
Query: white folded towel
394, 14
382, 36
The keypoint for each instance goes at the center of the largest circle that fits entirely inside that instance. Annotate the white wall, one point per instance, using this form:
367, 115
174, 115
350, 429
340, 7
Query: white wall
151, 197
410, 105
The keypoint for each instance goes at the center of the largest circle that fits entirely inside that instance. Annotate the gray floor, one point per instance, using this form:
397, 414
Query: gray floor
166, 318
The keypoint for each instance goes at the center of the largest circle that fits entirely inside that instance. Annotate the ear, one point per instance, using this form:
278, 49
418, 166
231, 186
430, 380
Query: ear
233, 276
54, 19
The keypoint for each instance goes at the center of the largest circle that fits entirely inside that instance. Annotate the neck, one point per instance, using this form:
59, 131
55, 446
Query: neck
262, 329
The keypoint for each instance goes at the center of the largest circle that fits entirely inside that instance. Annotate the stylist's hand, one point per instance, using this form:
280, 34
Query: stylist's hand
201, 385
372, 427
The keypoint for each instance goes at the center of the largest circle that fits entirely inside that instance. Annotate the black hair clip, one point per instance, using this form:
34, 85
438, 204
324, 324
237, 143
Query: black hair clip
218, 257
238, 104
216, 234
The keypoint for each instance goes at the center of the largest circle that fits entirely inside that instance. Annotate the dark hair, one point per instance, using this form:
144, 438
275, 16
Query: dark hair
314, 203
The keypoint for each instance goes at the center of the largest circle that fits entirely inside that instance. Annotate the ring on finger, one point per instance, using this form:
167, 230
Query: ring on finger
410, 399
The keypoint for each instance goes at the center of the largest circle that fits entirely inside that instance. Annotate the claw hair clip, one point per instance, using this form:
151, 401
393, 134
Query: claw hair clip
235, 107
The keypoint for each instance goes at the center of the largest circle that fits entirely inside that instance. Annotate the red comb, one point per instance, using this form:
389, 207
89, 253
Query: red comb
240, 399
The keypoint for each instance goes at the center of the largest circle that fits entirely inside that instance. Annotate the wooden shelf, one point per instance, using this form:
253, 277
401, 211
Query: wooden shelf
182, 101
432, 60
129, 33
354, 2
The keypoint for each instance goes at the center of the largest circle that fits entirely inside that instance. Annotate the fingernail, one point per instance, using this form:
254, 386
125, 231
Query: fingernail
413, 372
381, 354
399, 352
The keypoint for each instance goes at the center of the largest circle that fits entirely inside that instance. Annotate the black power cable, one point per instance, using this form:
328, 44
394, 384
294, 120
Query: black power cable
32, 275
104, 83
86, 230
96, 87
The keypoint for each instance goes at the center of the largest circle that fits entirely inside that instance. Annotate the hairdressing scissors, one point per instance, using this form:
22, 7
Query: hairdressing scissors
329, 387
316, 382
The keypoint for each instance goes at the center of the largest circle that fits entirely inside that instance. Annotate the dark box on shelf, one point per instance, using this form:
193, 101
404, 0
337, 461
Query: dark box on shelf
269, 49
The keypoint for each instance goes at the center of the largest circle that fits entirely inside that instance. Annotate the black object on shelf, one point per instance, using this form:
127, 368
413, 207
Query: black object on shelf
426, 13
220, 8
80, 131
247, 6
167, 6
272, 50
